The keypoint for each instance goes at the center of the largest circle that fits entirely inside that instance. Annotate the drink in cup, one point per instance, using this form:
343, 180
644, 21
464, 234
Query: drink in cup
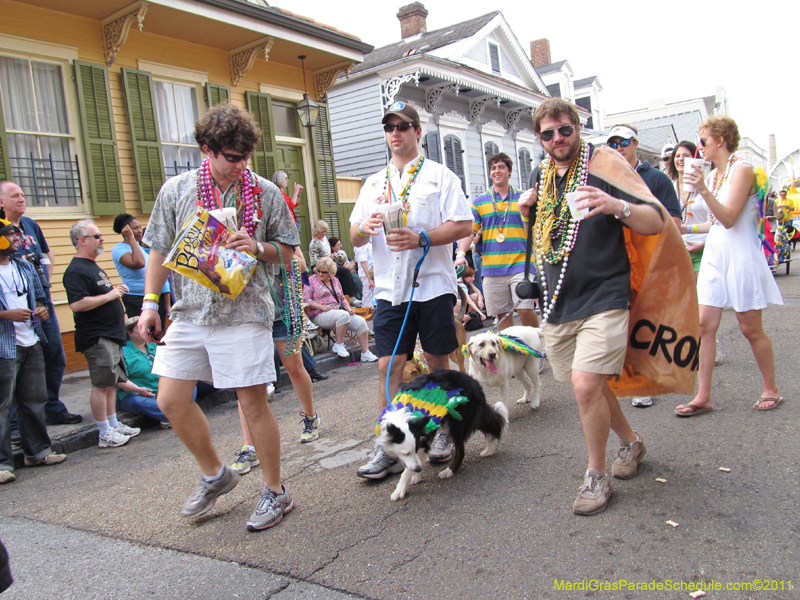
572, 201
392, 219
688, 165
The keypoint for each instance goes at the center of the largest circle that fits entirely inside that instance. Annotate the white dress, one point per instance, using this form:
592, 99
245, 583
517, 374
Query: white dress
734, 271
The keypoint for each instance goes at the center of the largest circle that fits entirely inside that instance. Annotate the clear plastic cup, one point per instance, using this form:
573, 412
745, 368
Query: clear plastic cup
572, 201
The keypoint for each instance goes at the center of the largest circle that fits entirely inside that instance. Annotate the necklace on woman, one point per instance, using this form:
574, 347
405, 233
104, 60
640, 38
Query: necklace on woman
244, 195
500, 237
555, 231
389, 194
717, 186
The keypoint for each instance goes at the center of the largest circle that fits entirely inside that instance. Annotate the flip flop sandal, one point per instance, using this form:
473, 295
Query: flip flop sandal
696, 410
777, 403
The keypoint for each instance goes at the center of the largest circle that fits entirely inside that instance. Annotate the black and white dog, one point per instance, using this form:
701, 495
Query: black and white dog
408, 425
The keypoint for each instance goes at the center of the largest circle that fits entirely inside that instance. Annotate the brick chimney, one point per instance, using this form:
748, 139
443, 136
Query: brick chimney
412, 20
540, 52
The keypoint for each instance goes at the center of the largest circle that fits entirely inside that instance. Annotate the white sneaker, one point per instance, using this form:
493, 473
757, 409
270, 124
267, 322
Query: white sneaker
340, 350
368, 357
642, 401
718, 357
270, 391
128, 431
113, 438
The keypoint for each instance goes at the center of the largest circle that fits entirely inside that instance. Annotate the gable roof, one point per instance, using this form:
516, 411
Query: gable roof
585, 81
556, 66
426, 42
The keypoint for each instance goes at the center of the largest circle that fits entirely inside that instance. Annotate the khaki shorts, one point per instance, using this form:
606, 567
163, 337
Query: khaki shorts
234, 356
596, 344
500, 294
106, 365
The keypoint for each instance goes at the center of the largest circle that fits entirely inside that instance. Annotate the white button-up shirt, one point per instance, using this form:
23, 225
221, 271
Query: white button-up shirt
434, 198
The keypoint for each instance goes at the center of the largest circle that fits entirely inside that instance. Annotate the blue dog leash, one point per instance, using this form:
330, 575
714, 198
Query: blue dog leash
408, 309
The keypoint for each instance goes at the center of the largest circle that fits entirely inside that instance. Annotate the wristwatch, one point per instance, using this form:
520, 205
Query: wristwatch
626, 211
423, 240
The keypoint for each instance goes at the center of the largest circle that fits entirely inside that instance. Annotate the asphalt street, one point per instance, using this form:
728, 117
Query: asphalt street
105, 523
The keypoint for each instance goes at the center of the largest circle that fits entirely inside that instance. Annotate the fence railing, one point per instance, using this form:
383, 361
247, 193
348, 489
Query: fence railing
47, 181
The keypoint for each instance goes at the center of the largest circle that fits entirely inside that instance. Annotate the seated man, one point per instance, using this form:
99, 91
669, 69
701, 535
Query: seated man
138, 394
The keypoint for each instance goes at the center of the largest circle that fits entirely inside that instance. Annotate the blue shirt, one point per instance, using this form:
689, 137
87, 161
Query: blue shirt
133, 278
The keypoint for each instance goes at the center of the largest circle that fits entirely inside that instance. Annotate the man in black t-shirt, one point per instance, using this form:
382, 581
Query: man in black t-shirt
99, 329
585, 286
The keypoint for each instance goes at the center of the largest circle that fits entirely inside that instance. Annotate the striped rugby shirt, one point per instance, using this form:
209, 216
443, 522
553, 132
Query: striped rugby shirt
506, 258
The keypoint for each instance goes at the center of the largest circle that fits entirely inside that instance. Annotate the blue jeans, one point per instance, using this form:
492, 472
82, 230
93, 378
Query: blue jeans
147, 407
23, 378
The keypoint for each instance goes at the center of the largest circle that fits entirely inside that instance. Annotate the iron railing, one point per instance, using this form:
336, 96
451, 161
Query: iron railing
176, 169
47, 181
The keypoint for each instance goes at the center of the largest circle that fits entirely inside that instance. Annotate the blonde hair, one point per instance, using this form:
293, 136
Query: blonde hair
723, 128
326, 264
319, 227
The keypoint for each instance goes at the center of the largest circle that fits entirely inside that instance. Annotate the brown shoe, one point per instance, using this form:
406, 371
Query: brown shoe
50, 459
593, 495
628, 458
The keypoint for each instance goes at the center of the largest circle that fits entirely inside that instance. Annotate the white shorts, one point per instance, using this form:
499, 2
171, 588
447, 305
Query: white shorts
500, 294
228, 356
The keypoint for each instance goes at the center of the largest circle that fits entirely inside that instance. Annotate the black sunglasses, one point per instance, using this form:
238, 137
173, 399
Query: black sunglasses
388, 128
623, 143
96, 236
235, 158
703, 142
564, 131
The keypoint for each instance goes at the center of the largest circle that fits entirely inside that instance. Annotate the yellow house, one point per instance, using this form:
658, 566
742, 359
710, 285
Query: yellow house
99, 98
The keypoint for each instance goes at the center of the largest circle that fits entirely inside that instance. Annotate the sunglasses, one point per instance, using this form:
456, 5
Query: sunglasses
622, 143
564, 131
96, 236
235, 158
703, 142
399, 126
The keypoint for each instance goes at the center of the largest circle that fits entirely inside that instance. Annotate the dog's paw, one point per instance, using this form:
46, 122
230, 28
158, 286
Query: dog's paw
535, 405
489, 451
446, 474
398, 495
523, 400
416, 478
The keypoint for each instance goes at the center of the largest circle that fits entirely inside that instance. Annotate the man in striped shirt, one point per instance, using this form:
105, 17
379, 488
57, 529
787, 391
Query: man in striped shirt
502, 246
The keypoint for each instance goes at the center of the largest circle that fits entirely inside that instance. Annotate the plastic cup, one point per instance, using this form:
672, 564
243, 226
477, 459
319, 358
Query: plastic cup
392, 216
688, 165
572, 201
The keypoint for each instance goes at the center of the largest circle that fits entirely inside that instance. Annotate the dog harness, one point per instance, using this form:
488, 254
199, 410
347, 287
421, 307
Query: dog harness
430, 401
510, 343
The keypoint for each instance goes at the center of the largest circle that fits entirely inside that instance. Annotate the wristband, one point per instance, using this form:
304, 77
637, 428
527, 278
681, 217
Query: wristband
694, 228
361, 233
150, 306
259, 249
153, 297
524, 219
460, 253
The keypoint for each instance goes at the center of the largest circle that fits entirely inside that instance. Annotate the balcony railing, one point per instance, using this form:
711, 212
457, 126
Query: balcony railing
170, 170
47, 181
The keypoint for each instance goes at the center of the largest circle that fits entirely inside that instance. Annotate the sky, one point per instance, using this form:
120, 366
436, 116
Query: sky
640, 51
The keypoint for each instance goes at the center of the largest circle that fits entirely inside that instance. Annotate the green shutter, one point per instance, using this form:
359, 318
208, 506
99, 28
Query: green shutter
217, 94
323, 153
5, 163
147, 158
265, 159
99, 138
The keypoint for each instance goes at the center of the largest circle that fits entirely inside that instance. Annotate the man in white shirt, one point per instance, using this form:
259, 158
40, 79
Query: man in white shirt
436, 214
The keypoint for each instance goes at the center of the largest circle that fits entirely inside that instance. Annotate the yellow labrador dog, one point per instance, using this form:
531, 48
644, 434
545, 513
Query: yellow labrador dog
494, 358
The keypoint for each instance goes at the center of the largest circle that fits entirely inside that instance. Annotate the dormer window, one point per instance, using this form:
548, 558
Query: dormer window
494, 58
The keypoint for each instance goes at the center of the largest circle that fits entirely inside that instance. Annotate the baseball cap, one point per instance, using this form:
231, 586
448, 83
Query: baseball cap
667, 150
129, 323
7, 227
621, 131
402, 110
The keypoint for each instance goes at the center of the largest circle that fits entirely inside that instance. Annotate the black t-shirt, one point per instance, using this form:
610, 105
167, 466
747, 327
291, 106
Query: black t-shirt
83, 278
661, 187
598, 272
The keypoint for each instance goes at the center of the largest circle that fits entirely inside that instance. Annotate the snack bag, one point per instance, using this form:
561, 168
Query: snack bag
199, 253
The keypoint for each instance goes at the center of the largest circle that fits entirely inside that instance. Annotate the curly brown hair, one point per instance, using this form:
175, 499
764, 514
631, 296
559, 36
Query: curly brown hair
553, 108
227, 126
723, 128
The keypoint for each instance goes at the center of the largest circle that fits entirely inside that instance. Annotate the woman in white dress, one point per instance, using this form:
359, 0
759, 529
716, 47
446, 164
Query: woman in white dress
733, 270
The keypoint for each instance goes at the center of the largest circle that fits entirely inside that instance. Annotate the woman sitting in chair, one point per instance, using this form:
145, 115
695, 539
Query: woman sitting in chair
328, 309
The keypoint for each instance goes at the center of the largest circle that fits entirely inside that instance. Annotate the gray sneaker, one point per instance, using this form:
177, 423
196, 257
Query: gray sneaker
628, 458
379, 466
441, 448
270, 509
206, 492
593, 495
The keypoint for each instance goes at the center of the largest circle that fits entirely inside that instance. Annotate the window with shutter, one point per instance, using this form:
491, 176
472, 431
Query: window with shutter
217, 94
432, 148
100, 141
524, 167
453, 158
147, 151
265, 155
323, 152
177, 110
494, 57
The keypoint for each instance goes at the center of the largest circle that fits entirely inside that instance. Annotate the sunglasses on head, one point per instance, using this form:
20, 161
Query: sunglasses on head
622, 143
388, 128
96, 236
564, 131
235, 158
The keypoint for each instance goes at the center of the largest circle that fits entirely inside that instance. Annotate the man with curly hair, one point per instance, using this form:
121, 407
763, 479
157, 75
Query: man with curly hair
213, 337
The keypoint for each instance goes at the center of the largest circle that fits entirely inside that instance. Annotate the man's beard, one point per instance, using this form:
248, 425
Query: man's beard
100, 250
566, 153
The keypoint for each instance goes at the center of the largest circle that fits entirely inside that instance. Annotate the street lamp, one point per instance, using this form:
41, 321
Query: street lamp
307, 109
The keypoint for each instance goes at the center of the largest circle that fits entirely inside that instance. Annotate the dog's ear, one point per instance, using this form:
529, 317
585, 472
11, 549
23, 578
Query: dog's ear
395, 434
469, 347
418, 425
